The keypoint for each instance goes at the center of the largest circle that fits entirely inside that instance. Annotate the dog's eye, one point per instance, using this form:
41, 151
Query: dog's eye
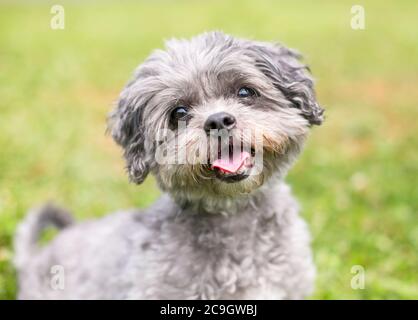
179, 113
246, 92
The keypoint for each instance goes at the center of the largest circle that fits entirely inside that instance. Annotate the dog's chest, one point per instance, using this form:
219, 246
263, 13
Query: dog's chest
245, 257
246, 262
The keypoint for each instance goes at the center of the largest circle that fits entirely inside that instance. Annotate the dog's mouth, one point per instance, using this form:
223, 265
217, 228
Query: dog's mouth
232, 165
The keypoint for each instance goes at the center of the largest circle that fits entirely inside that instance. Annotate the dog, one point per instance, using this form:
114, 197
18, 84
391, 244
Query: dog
221, 229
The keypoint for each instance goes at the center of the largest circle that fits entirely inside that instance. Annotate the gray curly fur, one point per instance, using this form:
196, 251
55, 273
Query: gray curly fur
204, 238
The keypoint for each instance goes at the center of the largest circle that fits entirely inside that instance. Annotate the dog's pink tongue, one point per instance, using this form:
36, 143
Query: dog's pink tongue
231, 165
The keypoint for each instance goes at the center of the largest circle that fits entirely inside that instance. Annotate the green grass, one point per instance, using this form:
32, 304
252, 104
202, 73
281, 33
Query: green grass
356, 181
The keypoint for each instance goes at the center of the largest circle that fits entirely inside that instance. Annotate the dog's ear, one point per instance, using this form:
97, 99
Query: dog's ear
290, 76
126, 125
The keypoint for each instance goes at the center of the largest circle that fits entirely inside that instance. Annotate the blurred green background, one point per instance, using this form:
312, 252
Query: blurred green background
356, 181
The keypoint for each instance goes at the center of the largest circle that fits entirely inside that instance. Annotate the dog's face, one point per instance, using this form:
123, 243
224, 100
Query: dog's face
257, 95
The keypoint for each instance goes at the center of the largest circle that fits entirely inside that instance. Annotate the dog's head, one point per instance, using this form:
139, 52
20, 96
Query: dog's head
258, 95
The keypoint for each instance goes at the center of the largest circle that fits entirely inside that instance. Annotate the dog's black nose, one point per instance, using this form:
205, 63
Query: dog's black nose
219, 121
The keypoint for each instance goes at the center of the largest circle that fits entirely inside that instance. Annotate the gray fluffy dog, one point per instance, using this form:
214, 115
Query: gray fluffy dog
216, 233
